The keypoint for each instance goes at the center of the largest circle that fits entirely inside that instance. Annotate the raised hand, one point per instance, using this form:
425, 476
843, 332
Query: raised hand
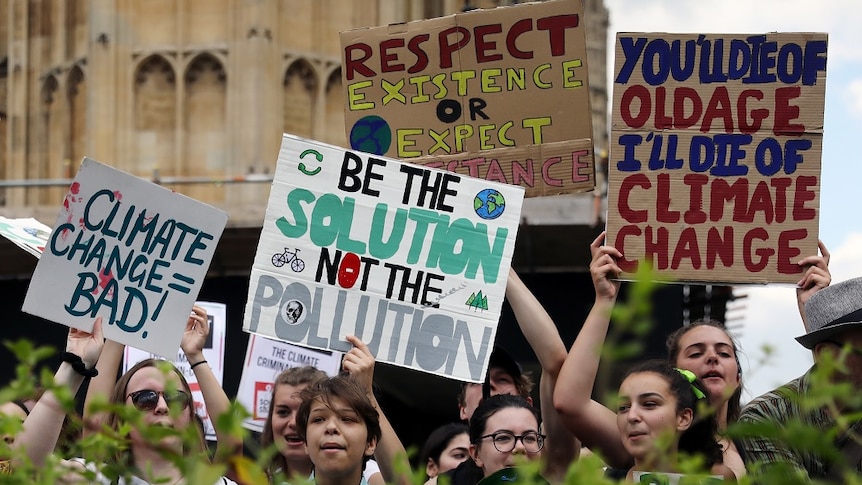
816, 275
604, 269
359, 363
87, 345
195, 335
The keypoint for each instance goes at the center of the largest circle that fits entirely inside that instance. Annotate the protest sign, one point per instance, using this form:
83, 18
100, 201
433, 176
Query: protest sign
213, 353
265, 359
412, 260
715, 154
541, 170
28, 234
471, 82
129, 250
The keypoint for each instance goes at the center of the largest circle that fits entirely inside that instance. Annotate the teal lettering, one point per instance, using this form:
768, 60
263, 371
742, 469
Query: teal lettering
294, 199
386, 249
61, 229
87, 221
87, 282
162, 239
184, 229
83, 247
154, 275
134, 295
142, 226
197, 244
423, 218
97, 252
114, 261
134, 275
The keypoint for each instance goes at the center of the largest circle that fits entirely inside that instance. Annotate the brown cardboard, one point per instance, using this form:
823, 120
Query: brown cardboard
693, 220
563, 167
422, 78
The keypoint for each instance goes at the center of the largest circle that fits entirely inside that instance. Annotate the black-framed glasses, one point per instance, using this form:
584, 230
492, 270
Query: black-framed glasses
504, 441
148, 399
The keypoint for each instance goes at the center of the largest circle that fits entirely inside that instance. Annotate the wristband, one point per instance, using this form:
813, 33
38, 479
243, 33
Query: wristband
78, 365
197, 364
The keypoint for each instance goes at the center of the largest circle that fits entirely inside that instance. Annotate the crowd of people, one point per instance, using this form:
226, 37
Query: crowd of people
332, 430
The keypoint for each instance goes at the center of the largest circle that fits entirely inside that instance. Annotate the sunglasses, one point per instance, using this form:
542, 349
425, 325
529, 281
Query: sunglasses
148, 399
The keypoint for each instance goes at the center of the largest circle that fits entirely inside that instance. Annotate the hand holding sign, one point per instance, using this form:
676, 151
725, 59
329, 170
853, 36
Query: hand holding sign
359, 363
195, 335
603, 267
87, 345
816, 276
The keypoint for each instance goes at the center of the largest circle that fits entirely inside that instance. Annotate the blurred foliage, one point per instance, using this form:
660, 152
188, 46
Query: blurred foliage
631, 321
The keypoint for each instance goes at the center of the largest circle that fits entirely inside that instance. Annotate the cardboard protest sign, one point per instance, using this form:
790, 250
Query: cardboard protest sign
213, 354
471, 82
129, 250
541, 170
265, 359
715, 154
412, 260
28, 234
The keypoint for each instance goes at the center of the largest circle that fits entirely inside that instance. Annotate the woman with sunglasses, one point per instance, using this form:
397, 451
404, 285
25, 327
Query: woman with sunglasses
151, 413
504, 431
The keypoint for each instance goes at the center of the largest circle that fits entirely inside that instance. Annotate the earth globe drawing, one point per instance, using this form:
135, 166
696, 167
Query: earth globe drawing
371, 134
489, 204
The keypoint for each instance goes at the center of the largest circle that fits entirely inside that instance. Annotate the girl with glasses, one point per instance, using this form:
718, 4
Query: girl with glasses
504, 431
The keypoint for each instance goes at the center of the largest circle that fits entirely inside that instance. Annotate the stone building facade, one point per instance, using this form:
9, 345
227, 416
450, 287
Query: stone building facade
189, 89
200, 91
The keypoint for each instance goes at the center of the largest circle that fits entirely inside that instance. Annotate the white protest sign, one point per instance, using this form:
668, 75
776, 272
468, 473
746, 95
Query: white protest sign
265, 359
410, 259
213, 354
28, 234
129, 250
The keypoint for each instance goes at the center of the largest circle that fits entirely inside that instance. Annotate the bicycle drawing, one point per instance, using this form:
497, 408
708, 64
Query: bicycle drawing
289, 257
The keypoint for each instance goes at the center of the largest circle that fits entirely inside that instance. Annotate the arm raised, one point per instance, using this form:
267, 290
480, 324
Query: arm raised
594, 424
42, 427
561, 446
217, 402
390, 453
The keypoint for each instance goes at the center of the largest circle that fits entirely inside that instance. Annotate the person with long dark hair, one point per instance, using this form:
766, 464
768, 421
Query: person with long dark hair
658, 417
593, 423
444, 449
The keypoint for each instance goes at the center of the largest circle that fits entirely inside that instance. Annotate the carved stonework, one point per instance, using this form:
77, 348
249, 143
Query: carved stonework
76, 77
155, 95
334, 81
301, 71
207, 67
154, 67
49, 88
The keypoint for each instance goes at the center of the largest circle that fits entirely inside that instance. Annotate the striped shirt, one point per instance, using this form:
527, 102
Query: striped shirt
785, 410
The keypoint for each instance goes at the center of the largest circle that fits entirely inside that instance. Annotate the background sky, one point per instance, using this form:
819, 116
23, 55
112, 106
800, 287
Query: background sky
768, 318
